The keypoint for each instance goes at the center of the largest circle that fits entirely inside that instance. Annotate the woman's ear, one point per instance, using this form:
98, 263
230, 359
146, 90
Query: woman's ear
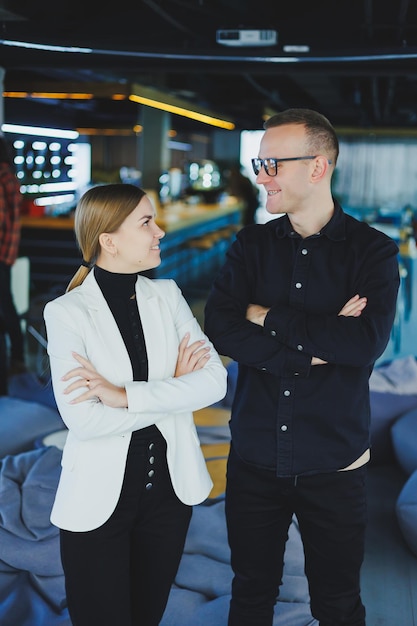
107, 244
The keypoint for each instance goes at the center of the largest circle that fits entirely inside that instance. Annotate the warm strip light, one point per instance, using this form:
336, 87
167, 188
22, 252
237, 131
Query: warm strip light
109, 131
153, 98
194, 115
170, 108
48, 95
40, 132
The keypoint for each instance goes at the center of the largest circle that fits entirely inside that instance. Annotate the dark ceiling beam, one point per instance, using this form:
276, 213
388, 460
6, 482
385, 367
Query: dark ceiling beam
402, 19
126, 67
321, 88
368, 18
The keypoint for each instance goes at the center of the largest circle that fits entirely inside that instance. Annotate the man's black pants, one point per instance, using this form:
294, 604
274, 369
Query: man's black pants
331, 513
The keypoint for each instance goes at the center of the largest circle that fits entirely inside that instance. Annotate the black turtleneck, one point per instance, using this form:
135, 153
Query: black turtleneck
119, 292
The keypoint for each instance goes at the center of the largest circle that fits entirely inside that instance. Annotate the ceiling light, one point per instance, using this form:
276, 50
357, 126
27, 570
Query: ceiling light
40, 132
41, 46
165, 102
48, 95
147, 96
194, 115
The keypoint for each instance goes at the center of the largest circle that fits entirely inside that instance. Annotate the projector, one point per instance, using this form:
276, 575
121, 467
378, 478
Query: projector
246, 37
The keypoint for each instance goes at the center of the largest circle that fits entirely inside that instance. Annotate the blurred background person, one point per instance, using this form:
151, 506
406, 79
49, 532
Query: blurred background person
241, 187
10, 206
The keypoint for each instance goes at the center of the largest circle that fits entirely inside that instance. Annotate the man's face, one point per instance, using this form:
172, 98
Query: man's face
290, 188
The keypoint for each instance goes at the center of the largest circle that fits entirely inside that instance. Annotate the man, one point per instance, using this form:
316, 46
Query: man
305, 305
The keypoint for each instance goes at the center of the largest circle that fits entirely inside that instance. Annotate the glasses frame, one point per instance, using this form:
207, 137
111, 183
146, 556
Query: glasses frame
273, 161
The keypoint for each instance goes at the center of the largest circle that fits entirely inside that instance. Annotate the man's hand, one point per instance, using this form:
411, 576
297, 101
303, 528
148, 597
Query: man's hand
352, 308
256, 313
316, 361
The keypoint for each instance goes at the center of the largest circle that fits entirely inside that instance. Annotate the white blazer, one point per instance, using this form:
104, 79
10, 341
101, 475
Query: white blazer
94, 456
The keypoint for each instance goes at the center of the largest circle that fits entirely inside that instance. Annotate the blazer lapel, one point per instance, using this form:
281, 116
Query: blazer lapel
156, 329
116, 357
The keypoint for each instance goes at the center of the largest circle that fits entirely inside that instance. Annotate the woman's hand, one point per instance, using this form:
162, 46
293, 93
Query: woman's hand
97, 386
191, 357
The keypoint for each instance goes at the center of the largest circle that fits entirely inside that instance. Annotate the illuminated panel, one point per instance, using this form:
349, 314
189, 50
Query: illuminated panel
43, 161
44, 158
46, 165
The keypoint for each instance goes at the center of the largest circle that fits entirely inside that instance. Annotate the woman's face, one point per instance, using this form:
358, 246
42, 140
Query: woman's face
135, 244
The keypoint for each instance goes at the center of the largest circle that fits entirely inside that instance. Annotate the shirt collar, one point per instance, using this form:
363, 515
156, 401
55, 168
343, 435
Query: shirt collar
335, 229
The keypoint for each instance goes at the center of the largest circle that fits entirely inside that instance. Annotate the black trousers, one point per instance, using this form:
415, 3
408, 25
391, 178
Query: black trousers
121, 573
331, 513
10, 322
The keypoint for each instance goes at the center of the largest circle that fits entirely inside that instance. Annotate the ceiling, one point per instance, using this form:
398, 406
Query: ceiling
359, 67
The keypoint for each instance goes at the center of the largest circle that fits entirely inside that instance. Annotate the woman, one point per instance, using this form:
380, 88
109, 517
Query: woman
129, 365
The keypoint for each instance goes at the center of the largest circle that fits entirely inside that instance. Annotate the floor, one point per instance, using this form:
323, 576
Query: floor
389, 573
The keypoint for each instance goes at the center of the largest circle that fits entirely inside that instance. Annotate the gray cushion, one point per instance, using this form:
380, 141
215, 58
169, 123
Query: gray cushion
23, 422
386, 408
404, 441
397, 376
393, 392
406, 510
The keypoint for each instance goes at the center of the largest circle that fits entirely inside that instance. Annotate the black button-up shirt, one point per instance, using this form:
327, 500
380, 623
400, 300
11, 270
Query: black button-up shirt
288, 415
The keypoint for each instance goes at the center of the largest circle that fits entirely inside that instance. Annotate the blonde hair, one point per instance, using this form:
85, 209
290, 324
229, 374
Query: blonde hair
321, 137
101, 209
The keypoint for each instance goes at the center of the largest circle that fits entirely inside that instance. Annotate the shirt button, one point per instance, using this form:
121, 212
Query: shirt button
296, 374
304, 251
273, 333
151, 460
284, 428
287, 393
151, 473
148, 486
151, 445
298, 285
300, 347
